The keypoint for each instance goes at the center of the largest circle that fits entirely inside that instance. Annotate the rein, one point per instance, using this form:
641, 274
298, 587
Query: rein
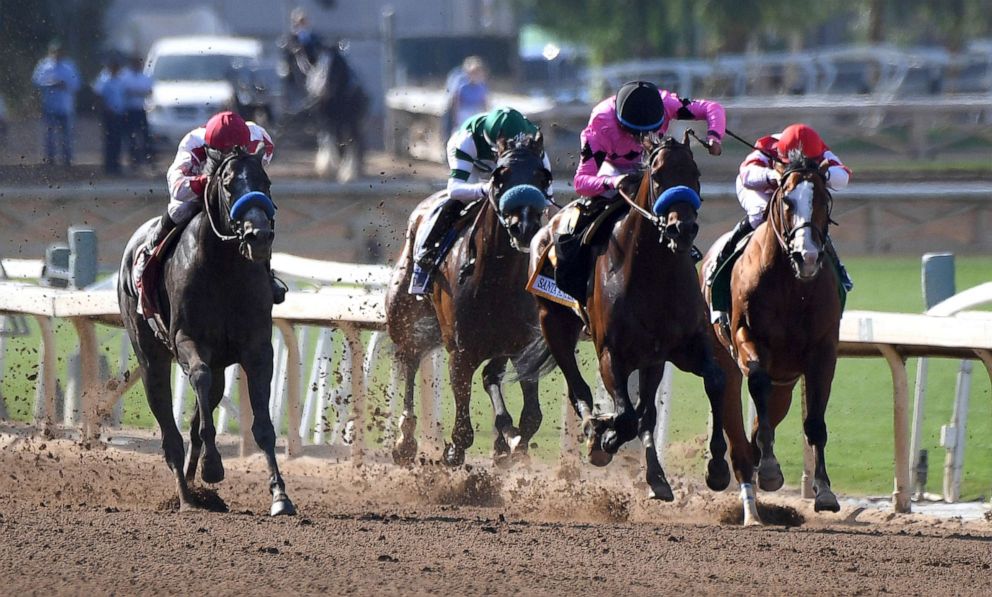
771, 156
214, 185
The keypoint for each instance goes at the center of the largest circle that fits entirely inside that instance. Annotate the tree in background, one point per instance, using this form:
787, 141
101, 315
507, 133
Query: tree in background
26, 28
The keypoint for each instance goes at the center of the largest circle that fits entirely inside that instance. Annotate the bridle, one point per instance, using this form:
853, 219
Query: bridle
215, 188
785, 236
646, 190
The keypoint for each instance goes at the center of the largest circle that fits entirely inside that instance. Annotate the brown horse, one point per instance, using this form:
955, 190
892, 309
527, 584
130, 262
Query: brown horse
644, 309
480, 314
784, 321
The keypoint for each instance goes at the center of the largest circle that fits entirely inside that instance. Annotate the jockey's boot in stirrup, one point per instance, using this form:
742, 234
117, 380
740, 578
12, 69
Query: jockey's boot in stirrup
279, 288
742, 229
845, 278
162, 228
428, 252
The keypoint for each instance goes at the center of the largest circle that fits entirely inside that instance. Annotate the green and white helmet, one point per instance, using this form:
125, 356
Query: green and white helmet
505, 123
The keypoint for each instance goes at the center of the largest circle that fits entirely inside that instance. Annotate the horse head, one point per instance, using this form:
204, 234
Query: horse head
799, 212
518, 187
239, 204
669, 188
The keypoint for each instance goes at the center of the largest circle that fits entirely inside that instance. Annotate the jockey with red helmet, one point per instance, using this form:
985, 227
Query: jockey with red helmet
758, 179
224, 132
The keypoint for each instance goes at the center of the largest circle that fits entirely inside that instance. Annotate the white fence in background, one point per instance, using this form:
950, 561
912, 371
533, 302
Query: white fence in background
346, 313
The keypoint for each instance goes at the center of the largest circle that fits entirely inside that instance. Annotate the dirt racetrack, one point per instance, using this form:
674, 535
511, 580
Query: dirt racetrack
100, 521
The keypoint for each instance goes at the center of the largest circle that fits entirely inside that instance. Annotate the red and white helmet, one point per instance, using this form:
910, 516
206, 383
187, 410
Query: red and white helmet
227, 130
802, 137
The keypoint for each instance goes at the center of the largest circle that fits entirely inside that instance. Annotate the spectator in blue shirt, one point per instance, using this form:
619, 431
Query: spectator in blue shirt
58, 80
137, 87
110, 86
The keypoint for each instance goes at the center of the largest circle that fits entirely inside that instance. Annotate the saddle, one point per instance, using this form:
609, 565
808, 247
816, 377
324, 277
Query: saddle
150, 282
573, 244
472, 212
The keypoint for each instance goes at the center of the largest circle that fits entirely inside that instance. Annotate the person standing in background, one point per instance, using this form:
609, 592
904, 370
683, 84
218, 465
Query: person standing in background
137, 87
58, 80
110, 86
468, 93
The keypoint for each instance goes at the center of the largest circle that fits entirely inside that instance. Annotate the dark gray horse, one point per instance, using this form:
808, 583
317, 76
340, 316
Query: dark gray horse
217, 303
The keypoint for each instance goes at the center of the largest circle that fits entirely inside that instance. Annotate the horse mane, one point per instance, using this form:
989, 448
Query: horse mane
522, 142
798, 162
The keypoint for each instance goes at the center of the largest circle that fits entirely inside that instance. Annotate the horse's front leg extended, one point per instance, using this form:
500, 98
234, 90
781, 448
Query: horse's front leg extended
647, 410
530, 414
819, 378
201, 418
258, 367
201, 377
507, 436
624, 427
759, 385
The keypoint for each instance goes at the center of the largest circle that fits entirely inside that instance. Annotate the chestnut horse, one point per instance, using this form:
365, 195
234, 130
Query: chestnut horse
644, 309
477, 306
784, 322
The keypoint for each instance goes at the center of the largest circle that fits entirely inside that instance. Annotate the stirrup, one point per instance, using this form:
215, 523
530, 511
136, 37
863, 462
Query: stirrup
279, 288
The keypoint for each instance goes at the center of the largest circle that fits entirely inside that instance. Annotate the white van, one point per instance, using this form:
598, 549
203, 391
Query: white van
195, 77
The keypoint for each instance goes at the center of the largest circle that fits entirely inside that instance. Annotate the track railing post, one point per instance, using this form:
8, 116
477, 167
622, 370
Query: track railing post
293, 373
900, 424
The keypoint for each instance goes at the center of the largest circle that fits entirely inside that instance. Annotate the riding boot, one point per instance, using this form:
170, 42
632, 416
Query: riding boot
742, 229
430, 249
845, 278
279, 288
162, 229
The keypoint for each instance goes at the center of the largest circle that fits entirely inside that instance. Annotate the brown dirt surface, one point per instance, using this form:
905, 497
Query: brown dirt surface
101, 521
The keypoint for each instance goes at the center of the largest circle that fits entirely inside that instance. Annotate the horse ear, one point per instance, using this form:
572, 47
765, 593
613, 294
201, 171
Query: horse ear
501, 144
259, 151
685, 137
824, 166
539, 140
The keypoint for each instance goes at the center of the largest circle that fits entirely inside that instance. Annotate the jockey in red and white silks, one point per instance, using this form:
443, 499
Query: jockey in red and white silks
758, 179
613, 135
186, 181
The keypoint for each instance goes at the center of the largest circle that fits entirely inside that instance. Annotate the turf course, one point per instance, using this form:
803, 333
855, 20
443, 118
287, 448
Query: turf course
859, 417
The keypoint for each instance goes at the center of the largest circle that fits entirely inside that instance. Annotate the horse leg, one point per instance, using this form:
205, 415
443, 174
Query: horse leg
647, 410
195, 437
201, 378
258, 368
779, 399
507, 436
158, 388
530, 415
561, 329
819, 378
698, 358
624, 424
405, 448
462, 436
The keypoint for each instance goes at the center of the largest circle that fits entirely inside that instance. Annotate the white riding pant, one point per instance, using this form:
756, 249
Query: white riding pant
753, 202
183, 211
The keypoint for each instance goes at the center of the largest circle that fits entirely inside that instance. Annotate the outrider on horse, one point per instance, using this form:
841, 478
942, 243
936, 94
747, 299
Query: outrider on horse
215, 299
643, 310
784, 300
332, 99
477, 306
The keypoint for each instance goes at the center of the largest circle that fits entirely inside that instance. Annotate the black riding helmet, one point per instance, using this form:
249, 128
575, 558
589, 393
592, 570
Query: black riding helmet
639, 106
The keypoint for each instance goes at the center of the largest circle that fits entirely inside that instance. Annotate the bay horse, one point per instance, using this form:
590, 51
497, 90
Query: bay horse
477, 307
783, 324
217, 302
644, 309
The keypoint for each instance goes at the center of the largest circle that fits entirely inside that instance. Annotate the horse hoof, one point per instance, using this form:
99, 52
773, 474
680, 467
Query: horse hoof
770, 475
454, 456
513, 441
660, 490
611, 441
212, 469
826, 501
717, 474
597, 455
282, 507
404, 453
190, 506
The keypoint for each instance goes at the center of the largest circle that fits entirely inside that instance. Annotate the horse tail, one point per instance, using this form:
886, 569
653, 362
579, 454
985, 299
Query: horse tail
533, 362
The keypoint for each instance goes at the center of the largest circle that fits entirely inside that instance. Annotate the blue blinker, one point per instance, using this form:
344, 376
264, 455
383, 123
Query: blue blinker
250, 200
522, 196
673, 195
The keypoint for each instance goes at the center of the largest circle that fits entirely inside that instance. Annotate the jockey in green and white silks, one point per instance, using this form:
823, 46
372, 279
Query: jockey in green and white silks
472, 158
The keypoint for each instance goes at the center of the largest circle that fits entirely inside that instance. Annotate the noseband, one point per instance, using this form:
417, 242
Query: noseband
647, 191
242, 205
784, 235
